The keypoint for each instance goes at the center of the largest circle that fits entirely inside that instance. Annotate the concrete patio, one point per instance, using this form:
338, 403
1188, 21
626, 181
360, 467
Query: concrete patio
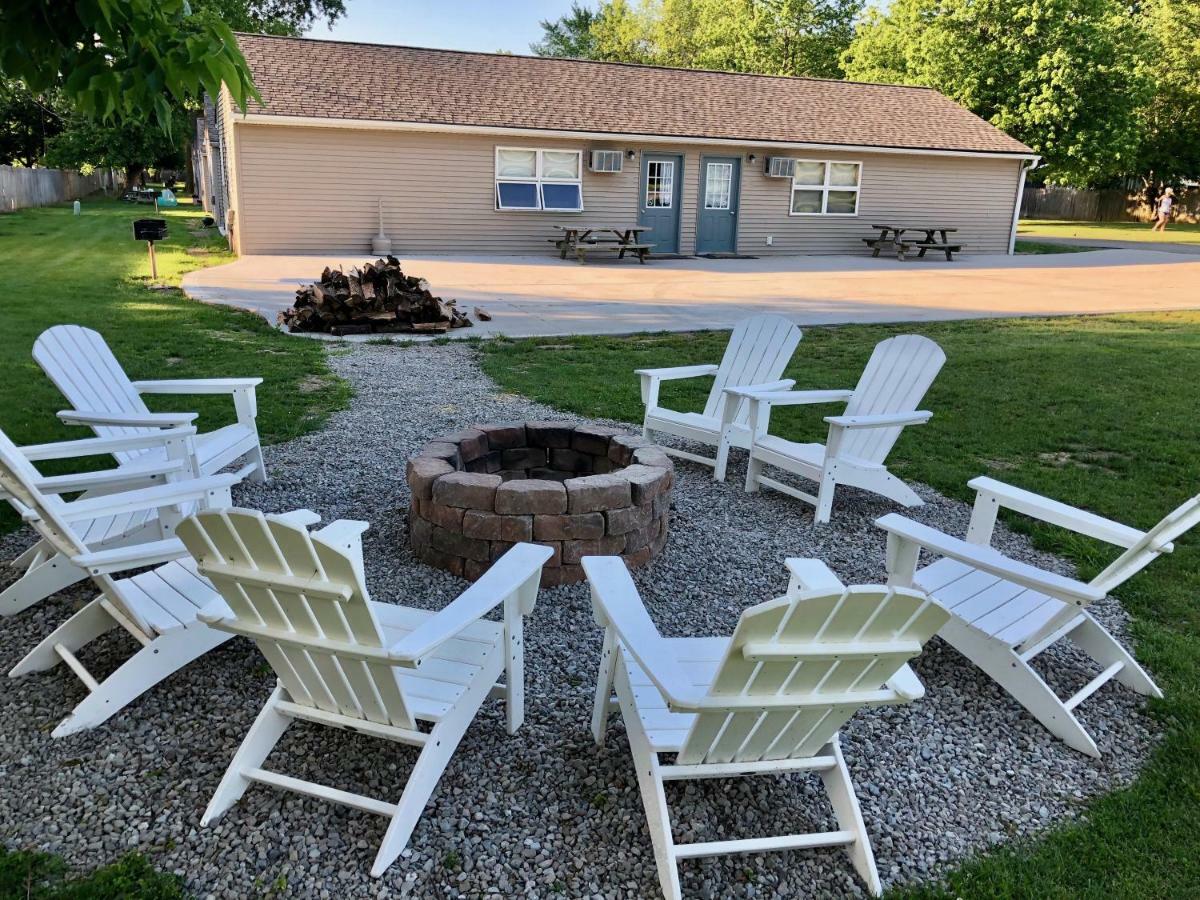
542, 295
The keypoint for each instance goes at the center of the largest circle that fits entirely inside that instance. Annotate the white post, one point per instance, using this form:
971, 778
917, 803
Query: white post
1024, 166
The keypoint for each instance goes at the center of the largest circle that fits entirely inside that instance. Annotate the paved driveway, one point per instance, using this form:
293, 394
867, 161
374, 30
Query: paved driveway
546, 296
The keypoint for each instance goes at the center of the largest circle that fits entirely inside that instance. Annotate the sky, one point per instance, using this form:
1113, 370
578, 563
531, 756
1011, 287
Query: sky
486, 25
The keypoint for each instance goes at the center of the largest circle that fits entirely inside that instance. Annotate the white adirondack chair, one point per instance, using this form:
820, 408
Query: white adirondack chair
348, 662
1004, 613
768, 700
84, 369
158, 607
757, 353
898, 374
46, 570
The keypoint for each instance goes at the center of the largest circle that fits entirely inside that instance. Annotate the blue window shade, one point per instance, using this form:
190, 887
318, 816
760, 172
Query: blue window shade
516, 195
561, 196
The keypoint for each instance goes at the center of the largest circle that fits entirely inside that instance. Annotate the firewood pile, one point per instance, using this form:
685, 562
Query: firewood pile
378, 297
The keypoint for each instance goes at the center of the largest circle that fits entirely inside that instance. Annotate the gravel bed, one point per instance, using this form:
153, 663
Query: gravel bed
543, 813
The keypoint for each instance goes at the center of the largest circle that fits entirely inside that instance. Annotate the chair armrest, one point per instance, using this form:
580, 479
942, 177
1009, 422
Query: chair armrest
988, 560
341, 531
676, 372
793, 398
884, 420
906, 683
197, 385
811, 575
507, 576
743, 390
132, 420
133, 475
136, 556
617, 605
149, 498
302, 517
1054, 513
98, 446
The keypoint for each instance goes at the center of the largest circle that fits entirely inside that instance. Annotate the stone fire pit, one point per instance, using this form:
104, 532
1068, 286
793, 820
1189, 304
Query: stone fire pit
582, 490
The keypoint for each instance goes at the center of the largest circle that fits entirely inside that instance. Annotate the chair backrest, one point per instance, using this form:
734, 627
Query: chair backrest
842, 644
303, 603
758, 351
83, 368
1179, 521
18, 478
897, 375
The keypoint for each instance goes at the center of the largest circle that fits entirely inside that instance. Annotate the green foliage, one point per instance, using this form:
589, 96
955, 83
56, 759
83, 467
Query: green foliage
569, 35
40, 876
26, 122
131, 145
122, 60
1067, 77
287, 17
1170, 122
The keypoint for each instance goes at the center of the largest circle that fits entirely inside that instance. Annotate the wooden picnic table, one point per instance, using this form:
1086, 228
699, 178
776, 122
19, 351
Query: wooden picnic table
583, 239
901, 245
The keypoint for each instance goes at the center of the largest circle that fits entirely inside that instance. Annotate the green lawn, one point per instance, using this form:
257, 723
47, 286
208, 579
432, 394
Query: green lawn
1099, 411
1177, 232
1036, 248
88, 270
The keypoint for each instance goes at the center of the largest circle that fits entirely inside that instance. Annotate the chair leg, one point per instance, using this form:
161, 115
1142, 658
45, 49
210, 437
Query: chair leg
259, 475
39, 582
430, 765
1021, 681
164, 656
257, 745
78, 631
39, 551
514, 672
604, 686
754, 469
722, 461
845, 807
1094, 640
828, 485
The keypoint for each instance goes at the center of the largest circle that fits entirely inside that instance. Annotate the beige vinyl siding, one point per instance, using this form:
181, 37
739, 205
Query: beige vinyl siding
314, 190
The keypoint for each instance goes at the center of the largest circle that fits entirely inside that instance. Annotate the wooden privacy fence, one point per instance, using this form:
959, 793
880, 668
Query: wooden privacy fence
20, 188
1107, 205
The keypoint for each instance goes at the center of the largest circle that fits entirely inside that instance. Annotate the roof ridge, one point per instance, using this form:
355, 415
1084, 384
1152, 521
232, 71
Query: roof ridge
596, 62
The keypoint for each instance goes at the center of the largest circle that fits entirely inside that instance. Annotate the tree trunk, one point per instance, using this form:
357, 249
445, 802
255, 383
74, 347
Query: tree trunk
134, 173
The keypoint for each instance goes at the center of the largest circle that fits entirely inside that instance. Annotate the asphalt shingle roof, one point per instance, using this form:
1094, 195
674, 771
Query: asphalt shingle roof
330, 79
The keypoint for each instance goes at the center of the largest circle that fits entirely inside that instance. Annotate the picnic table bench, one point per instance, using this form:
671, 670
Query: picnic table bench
897, 242
581, 240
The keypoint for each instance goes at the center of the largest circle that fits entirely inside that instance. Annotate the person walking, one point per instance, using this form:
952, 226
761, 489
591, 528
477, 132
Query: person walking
1163, 216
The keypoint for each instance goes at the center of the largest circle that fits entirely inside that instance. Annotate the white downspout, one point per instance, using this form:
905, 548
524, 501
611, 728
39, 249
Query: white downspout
1026, 165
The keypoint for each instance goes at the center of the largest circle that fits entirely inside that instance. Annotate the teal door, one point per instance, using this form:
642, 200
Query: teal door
662, 176
716, 228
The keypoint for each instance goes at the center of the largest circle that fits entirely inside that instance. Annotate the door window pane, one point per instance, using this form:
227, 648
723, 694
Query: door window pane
806, 201
843, 174
559, 164
516, 195
809, 172
660, 184
561, 196
516, 163
843, 202
718, 185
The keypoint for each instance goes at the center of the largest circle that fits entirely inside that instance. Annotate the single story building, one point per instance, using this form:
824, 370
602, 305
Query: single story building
480, 153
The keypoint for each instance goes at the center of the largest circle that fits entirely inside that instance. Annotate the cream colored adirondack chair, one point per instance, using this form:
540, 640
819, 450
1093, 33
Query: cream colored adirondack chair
757, 353
896, 377
1004, 613
768, 700
46, 570
158, 607
346, 661
83, 368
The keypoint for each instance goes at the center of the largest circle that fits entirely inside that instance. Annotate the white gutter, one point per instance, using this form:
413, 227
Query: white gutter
380, 125
1025, 167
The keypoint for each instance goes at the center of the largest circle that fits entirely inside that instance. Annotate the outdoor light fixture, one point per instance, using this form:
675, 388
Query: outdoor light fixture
753, 157
629, 154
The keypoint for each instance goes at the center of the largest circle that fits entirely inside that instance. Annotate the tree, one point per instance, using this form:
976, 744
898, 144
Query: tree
1170, 121
26, 122
132, 146
1065, 76
569, 35
286, 17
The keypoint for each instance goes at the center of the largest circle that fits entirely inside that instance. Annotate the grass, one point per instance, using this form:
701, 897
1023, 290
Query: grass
40, 876
88, 270
1177, 232
1036, 248
1096, 411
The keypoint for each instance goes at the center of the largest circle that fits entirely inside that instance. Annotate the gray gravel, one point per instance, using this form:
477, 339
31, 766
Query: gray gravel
544, 813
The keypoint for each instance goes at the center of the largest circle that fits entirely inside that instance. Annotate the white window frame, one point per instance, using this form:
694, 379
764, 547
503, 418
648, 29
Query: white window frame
537, 179
826, 187
646, 184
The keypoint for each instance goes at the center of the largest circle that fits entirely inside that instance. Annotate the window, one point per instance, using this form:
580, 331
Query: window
548, 180
660, 184
825, 188
718, 185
